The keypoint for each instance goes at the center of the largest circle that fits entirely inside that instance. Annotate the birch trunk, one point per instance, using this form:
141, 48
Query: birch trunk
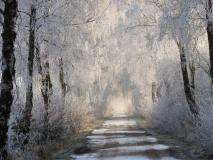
187, 85
26, 119
46, 90
8, 70
46, 93
210, 41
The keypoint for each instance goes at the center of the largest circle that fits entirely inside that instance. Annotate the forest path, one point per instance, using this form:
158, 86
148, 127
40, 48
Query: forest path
120, 138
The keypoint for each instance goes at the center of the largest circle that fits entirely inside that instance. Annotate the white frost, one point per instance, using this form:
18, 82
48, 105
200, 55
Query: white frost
129, 149
122, 122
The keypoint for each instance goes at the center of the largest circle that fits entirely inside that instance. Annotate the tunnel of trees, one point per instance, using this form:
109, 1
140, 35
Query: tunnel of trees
66, 64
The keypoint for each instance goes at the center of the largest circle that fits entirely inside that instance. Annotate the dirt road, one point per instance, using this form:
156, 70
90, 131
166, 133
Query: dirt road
120, 138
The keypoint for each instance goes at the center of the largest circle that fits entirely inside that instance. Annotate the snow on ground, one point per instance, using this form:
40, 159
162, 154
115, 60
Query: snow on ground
129, 149
120, 139
119, 123
95, 157
109, 131
138, 158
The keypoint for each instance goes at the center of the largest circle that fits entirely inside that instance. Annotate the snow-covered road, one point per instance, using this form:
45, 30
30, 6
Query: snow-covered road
120, 139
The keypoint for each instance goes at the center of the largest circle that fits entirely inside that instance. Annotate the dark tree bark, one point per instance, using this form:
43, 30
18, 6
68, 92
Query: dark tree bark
210, 40
192, 77
154, 92
61, 77
27, 115
46, 93
189, 92
46, 90
8, 70
38, 59
64, 88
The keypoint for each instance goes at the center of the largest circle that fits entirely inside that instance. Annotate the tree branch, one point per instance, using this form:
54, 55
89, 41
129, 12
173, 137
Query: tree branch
139, 25
157, 4
24, 12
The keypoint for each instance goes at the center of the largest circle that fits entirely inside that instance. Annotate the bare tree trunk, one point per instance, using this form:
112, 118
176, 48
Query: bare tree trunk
27, 115
192, 77
46, 93
187, 85
8, 70
63, 84
46, 90
38, 59
154, 92
210, 40
61, 77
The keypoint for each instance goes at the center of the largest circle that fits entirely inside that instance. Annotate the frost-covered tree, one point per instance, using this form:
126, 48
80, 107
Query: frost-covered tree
77, 61
25, 122
179, 24
209, 15
8, 69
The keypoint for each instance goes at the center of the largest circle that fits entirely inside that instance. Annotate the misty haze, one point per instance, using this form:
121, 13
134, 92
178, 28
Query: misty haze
106, 80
